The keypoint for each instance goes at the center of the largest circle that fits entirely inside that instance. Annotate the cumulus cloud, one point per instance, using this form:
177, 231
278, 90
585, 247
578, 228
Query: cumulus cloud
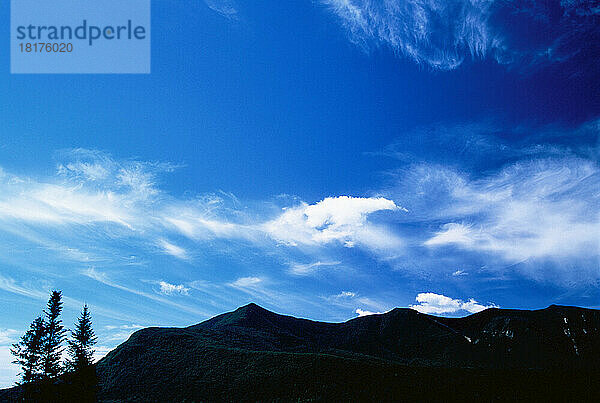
340, 219
441, 34
346, 294
361, 312
170, 289
431, 303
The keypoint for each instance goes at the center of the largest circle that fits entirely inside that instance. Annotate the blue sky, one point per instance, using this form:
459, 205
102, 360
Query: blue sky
323, 158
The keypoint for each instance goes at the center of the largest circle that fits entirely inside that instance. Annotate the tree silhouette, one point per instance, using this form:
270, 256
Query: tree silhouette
80, 362
80, 346
55, 333
39, 354
28, 352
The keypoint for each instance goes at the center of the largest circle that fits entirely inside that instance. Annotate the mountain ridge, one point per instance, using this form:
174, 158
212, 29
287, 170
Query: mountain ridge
253, 354
264, 330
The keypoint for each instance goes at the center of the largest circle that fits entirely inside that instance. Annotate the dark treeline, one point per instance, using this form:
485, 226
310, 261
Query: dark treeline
45, 377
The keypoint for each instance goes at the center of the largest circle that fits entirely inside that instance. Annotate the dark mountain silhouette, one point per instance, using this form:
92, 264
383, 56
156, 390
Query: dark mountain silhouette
252, 354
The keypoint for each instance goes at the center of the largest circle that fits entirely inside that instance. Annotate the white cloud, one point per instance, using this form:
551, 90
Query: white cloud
307, 269
10, 285
92, 188
62, 204
361, 312
340, 219
442, 33
197, 224
540, 209
8, 370
451, 233
103, 278
120, 199
120, 333
437, 33
351, 299
88, 170
101, 351
247, 282
458, 273
8, 336
169, 289
124, 327
431, 303
534, 210
173, 249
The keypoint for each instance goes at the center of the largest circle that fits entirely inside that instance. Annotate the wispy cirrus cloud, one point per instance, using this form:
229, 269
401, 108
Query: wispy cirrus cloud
39, 290
299, 269
105, 279
442, 34
12, 286
118, 199
436, 33
120, 333
351, 299
529, 210
533, 209
227, 8
8, 336
247, 282
527, 206
172, 249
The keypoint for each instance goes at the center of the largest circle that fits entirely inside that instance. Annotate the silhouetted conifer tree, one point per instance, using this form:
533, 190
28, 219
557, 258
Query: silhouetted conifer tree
54, 336
28, 352
80, 346
82, 376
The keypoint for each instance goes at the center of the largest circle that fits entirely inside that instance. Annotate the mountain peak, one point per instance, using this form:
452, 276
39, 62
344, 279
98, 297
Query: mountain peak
252, 307
250, 315
253, 310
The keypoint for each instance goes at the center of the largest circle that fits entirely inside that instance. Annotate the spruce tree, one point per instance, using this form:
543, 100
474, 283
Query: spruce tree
80, 346
55, 334
28, 352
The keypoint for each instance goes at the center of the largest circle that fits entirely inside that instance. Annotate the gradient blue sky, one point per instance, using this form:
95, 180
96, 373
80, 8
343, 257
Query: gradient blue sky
323, 158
